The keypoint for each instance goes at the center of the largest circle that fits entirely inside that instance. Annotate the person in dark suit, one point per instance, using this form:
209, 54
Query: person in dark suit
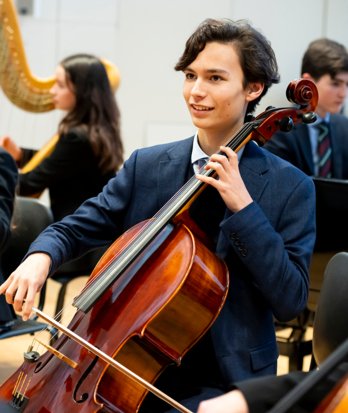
299, 391
325, 62
89, 150
8, 181
265, 232
261, 394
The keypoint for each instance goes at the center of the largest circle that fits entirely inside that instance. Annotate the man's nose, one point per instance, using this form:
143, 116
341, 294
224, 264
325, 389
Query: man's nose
198, 88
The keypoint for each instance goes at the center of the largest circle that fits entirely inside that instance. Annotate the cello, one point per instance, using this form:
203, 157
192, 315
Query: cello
337, 400
155, 292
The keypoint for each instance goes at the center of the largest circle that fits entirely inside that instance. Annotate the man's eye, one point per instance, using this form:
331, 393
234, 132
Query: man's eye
215, 78
189, 76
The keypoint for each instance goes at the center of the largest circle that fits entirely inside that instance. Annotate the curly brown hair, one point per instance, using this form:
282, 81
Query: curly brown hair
256, 56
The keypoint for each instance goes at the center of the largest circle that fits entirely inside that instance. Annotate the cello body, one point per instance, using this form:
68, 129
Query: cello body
337, 400
147, 320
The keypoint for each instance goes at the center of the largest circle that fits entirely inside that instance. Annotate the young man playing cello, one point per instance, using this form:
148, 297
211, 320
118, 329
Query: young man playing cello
265, 235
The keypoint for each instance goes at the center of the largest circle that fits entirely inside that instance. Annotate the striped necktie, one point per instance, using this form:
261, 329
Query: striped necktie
199, 164
324, 151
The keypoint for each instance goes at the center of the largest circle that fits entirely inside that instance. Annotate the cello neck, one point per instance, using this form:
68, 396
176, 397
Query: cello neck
159, 228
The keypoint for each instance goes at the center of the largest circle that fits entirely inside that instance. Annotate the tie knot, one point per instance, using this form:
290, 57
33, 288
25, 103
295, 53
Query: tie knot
199, 164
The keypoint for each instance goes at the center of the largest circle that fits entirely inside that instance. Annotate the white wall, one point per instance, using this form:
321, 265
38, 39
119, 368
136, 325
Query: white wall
144, 38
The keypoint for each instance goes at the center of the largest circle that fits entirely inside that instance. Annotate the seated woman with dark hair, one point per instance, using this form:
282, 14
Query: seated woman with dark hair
89, 149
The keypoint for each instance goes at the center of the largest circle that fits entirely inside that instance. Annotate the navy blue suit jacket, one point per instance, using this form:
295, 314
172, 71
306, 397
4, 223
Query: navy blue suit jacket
295, 147
8, 182
267, 245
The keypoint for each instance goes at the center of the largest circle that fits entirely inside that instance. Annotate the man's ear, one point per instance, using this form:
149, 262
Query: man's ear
254, 90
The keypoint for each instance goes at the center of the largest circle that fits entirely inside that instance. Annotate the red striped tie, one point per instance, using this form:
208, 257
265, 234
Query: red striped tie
324, 151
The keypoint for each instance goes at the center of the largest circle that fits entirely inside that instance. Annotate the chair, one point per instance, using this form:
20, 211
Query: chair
297, 344
330, 321
292, 336
30, 217
330, 327
330, 337
332, 226
292, 339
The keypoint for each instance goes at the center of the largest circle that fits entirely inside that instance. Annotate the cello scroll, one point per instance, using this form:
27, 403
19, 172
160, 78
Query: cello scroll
303, 93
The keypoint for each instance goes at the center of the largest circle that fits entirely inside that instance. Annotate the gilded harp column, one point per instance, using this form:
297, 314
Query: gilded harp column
22, 88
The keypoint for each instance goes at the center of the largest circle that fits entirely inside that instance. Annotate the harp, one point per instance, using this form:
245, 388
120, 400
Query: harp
21, 87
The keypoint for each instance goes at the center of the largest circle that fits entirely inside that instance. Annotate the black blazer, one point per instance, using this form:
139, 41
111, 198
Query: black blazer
263, 393
71, 174
295, 147
8, 181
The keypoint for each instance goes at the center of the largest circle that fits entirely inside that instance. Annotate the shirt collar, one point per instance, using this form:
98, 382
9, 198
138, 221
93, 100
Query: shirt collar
326, 119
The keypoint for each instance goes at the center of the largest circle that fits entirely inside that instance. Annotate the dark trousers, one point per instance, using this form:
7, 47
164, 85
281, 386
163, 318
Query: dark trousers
198, 378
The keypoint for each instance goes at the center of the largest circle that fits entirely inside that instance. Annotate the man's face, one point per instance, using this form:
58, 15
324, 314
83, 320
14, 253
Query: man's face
332, 93
214, 91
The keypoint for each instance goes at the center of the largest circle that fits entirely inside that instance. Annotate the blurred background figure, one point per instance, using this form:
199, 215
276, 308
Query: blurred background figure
8, 180
320, 148
89, 148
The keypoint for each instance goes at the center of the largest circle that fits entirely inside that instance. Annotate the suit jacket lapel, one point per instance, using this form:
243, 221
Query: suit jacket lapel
305, 144
172, 172
173, 169
253, 168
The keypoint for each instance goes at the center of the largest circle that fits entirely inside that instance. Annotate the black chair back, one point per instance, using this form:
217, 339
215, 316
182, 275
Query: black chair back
330, 326
30, 217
